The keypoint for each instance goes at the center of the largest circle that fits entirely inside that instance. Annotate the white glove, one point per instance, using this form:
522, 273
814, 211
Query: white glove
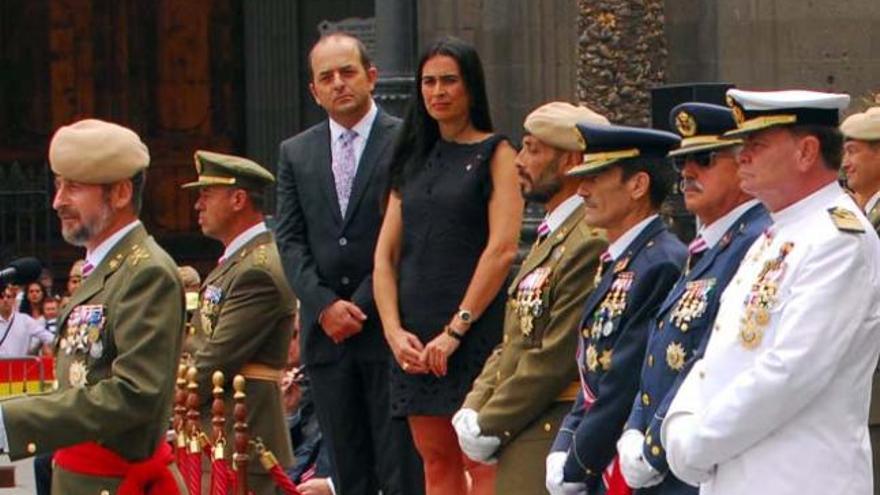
636, 470
553, 476
677, 434
478, 447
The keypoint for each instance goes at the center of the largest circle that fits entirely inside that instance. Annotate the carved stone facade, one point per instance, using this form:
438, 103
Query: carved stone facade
621, 55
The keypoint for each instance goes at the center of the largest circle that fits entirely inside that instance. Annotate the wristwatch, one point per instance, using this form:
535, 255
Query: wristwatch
465, 316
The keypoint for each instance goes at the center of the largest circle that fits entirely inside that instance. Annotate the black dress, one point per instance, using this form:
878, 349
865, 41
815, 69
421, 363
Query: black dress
445, 208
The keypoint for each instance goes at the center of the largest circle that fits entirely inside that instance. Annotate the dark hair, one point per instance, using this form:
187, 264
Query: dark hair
25, 306
258, 198
420, 132
660, 174
830, 142
366, 62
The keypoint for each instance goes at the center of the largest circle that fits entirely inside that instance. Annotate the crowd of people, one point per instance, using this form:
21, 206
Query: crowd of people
389, 347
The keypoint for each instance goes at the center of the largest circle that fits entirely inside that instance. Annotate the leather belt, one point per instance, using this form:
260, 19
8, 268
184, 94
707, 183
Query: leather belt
260, 371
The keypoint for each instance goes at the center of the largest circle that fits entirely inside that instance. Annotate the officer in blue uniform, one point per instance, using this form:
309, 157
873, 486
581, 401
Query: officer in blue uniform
731, 220
625, 179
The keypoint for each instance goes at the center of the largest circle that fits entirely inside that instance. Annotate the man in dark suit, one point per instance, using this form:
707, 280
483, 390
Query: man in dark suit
625, 179
731, 221
331, 180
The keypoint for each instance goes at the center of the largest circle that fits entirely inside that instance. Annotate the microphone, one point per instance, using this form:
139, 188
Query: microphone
22, 271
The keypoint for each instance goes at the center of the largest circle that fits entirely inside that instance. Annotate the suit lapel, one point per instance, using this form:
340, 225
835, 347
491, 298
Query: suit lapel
709, 258
323, 160
540, 252
95, 281
377, 141
621, 263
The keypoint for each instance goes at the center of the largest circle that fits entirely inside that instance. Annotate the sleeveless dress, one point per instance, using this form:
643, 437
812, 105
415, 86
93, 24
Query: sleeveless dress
445, 209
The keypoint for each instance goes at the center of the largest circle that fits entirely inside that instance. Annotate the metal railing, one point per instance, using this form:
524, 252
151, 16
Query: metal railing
26, 375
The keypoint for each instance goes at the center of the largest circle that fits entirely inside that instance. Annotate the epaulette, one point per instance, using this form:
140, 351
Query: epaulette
845, 220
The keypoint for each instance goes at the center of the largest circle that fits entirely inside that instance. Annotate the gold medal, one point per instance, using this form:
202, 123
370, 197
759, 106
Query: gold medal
592, 358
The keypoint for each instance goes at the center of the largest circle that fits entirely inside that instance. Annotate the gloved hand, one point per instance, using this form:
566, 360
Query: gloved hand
478, 447
677, 434
553, 477
636, 470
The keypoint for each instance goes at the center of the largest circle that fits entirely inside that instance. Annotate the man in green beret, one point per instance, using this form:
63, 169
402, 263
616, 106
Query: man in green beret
120, 333
244, 319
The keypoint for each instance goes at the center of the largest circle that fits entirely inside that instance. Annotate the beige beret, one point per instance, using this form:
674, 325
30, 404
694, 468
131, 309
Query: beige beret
864, 126
554, 124
97, 152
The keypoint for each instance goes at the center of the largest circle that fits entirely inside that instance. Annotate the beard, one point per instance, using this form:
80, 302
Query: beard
545, 186
87, 228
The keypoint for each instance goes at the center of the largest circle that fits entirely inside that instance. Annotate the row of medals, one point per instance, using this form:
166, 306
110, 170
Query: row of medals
761, 299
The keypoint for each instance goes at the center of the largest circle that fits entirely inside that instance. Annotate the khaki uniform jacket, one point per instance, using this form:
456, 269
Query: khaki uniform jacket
245, 316
526, 373
116, 361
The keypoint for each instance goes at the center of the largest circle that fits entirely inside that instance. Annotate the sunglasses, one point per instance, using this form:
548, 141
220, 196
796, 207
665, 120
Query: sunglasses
703, 159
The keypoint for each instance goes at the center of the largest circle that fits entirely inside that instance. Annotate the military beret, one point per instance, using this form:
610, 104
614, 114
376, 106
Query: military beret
609, 144
96, 152
864, 126
218, 169
758, 110
554, 124
701, 126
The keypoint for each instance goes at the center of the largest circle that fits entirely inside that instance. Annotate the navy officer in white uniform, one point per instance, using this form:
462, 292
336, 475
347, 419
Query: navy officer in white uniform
779, 402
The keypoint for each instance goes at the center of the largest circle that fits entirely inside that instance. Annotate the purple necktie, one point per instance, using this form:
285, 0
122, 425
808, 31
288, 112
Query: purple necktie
344, 168
87, 269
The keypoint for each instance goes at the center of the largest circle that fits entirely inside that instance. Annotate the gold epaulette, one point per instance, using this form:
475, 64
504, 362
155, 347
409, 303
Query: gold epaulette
845, 220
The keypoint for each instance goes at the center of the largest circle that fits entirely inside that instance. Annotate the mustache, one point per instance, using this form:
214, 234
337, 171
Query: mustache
690, 185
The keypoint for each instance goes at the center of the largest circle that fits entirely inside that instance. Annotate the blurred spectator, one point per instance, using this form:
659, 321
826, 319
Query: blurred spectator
74, 278
312, 469
18, 331
32, 302
48, 282
50, 314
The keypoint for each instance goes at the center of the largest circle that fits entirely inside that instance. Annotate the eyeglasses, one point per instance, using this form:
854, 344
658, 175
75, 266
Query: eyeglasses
704, 159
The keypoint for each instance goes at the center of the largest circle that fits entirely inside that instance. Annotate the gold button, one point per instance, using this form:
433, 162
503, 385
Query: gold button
655, 450
650, 360
31, 448
547, 427
507, 433
660, 326
590, 472
645, 399
650, 243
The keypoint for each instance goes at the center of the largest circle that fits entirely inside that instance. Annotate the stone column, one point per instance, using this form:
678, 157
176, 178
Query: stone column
395, 53
621, 55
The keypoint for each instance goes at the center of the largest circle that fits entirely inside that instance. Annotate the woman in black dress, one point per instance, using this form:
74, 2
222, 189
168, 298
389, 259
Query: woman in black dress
444, 252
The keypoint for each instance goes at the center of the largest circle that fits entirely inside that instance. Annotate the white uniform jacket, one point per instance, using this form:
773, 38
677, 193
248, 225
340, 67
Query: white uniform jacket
779, 402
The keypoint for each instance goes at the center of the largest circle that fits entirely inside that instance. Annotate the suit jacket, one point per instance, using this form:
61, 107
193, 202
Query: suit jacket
527, 372
245, 316
612, 346
325, 256
674, 340
779, 401
116, 360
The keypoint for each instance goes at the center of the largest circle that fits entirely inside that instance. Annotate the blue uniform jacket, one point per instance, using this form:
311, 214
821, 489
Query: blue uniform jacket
680, 331
614, 332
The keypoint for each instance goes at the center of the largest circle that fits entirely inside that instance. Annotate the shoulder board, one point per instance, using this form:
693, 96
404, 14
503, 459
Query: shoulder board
845, 220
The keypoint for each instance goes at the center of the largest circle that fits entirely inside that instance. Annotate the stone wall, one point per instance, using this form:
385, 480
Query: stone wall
621, 55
